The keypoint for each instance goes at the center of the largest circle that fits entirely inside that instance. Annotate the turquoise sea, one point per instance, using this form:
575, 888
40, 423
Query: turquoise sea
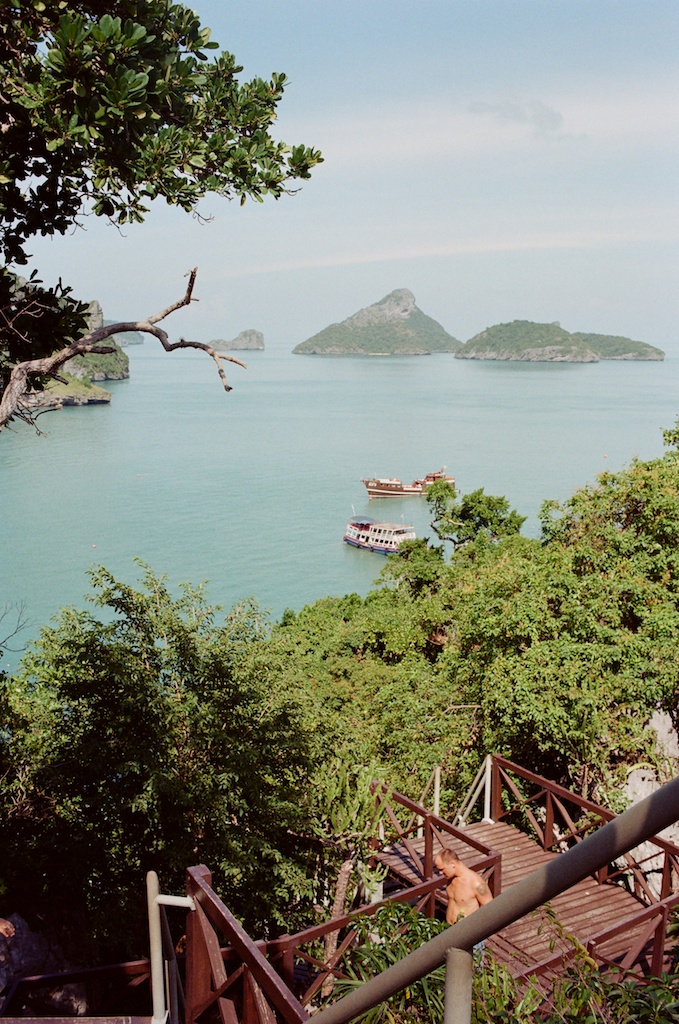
252, 490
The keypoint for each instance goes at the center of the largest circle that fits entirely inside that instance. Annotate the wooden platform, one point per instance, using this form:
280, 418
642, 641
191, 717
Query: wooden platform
583, 911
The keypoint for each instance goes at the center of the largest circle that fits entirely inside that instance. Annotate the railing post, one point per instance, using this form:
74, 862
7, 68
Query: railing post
430, 908
496, 790
458, 993
198, 974
549, 822
487, 815
658, 955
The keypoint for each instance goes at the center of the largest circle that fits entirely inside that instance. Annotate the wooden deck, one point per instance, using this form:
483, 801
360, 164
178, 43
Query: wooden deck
583, 911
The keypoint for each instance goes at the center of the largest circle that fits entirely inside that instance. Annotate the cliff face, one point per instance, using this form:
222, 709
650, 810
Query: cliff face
392, 326
249, 340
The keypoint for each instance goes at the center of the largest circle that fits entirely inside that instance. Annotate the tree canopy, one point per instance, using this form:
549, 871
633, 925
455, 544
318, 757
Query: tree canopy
105, 108
153, 740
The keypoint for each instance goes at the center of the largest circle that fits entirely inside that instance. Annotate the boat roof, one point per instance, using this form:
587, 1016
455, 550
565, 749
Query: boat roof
368, 521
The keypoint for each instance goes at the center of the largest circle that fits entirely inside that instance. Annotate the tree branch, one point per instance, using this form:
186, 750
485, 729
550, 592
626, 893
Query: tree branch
23, 373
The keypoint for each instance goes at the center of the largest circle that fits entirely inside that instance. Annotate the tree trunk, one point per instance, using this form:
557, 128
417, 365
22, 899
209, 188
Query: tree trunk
337, 912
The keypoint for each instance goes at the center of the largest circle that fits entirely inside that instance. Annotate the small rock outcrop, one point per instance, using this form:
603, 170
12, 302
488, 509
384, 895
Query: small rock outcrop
249, 340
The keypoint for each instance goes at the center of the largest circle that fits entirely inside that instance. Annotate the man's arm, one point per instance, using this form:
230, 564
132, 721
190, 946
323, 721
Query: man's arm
482, 893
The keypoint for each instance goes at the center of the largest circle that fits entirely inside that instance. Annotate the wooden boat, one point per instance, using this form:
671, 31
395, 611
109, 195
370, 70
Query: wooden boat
384, 538
391, 487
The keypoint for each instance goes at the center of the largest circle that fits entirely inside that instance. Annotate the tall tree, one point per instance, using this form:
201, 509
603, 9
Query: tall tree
107, 106
146, 742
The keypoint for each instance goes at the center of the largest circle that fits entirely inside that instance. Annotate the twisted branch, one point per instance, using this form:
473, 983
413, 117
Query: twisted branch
11, 399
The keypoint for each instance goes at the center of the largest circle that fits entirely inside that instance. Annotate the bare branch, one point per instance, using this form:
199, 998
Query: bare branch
17, 613
23, 373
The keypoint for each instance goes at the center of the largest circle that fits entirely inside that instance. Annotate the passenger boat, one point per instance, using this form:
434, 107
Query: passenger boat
384, 538
379, 487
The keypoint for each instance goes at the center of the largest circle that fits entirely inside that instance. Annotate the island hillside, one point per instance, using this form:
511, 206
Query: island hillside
525, 341
393, 326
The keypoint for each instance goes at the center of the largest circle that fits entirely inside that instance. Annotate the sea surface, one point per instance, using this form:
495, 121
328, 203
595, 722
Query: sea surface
251, 490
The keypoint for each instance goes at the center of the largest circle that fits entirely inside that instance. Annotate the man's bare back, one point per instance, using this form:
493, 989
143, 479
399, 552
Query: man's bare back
466, 889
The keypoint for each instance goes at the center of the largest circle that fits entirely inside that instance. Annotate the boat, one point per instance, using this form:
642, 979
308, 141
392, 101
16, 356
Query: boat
391, 487
384, 538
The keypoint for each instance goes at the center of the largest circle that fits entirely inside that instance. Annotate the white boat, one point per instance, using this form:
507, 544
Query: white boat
384, 538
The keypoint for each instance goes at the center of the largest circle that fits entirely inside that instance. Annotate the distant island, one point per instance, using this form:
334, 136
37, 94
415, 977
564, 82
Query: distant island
394, 326
127, 337
246, 340
525, 341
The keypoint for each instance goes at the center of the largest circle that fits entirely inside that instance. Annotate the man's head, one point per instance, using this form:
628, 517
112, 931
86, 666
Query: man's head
446, 860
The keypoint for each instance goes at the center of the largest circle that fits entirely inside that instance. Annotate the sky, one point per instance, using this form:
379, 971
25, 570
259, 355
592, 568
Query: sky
502, 159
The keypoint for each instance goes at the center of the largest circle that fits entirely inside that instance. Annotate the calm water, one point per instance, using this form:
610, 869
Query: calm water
252, 490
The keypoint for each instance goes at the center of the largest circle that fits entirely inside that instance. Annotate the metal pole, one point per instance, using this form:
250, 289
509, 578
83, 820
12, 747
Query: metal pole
156, 950
486, 796
458, 997
437, 790
639, 823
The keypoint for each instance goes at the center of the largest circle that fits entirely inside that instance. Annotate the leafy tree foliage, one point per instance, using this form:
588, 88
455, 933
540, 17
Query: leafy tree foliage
106, 107
145, 742
474, 516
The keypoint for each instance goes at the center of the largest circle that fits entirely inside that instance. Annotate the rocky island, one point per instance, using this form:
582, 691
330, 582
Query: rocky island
394, 326
525, 341
248, 340
76, 385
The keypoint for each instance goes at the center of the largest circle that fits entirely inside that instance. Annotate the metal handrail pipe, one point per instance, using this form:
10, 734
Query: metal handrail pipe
636, 825
156, 950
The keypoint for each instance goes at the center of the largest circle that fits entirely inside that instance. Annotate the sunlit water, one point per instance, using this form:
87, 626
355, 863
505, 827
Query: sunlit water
252, 490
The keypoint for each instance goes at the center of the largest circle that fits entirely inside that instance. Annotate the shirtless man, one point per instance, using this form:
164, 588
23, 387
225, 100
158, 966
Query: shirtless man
466, 889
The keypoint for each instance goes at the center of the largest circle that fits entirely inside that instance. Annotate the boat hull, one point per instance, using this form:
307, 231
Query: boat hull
391, 487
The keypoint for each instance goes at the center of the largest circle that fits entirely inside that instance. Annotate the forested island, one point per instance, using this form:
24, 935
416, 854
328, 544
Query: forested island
393, 326
396, 326
525, 341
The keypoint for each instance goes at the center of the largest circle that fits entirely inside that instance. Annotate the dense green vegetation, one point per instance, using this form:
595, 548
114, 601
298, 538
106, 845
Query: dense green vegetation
393, 326
523, 339
158, 736
611, 346
95, 366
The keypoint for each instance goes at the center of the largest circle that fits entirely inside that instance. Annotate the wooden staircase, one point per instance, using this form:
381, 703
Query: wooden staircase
584, 911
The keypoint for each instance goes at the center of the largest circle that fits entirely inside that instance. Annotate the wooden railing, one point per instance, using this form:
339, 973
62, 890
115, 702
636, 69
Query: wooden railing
409, 825
283, 979
559, 819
